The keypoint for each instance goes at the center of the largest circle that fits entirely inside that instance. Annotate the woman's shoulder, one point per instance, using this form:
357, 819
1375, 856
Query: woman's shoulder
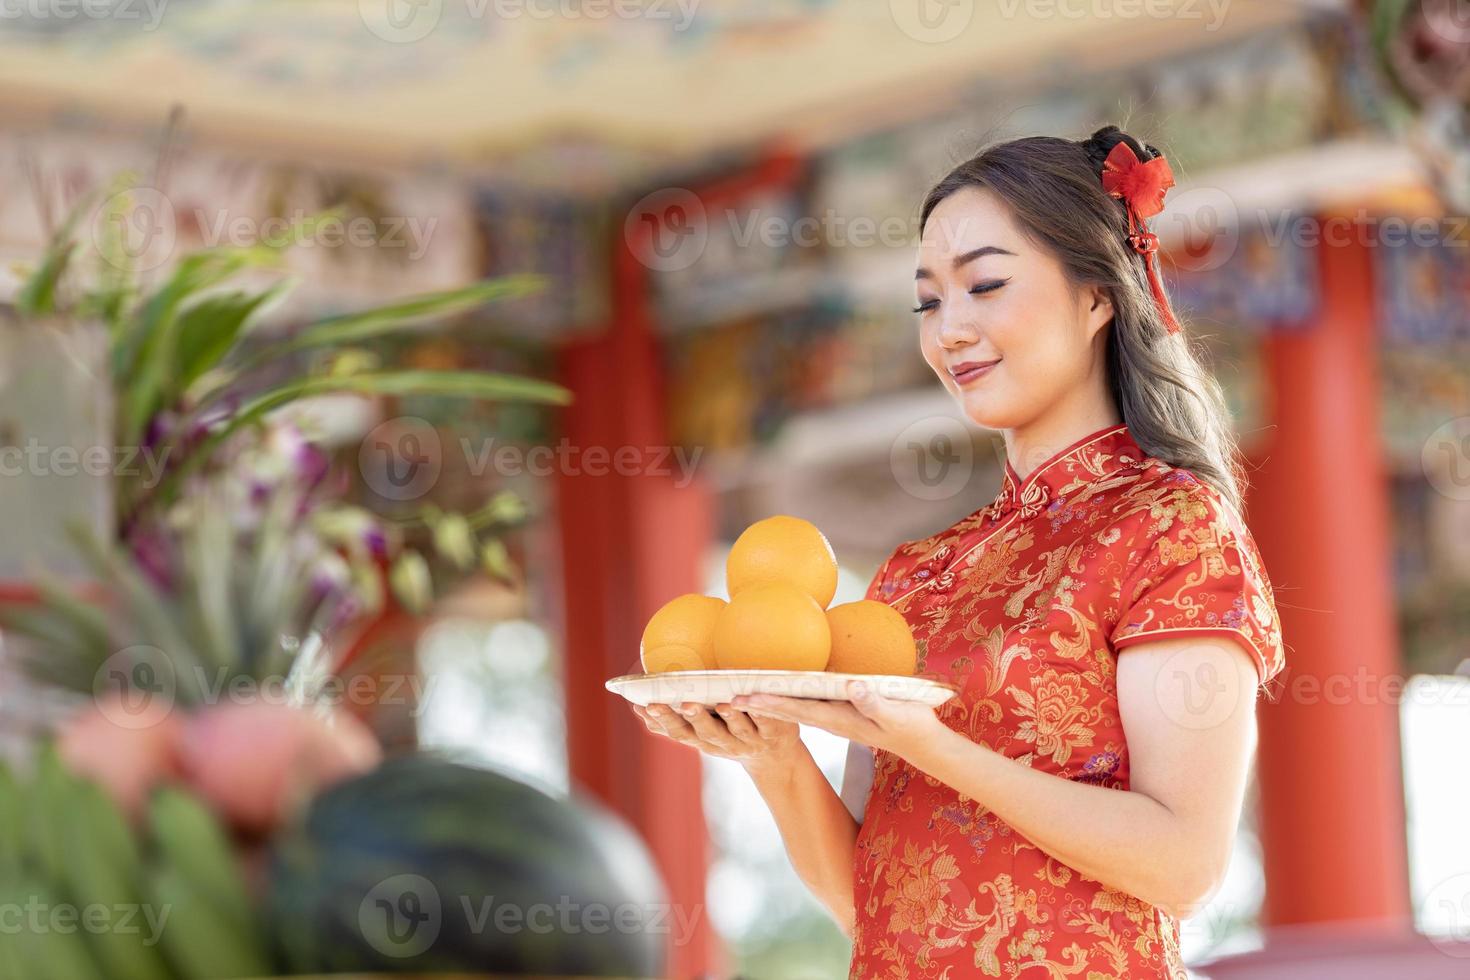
1193, 568
1163, 497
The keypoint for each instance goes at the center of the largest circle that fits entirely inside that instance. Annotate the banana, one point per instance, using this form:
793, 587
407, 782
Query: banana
190, 839
12, 822
49, 799
45, 951
103, 868
200, 941
12, 920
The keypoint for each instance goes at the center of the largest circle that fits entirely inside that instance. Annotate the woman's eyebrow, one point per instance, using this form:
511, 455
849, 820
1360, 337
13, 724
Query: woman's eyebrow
970, 256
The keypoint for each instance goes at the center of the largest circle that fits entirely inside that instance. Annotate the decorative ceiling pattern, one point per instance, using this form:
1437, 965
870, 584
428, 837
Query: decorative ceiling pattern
563, 90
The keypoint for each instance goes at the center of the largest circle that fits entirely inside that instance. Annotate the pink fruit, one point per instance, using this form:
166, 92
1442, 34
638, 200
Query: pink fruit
255, 762
101, 744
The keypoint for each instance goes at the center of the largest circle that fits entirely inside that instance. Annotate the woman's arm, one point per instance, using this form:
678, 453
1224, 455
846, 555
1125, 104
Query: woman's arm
819, 833
857, 779
1188, 713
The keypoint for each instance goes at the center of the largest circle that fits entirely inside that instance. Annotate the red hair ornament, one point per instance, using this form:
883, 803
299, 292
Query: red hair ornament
1141, 186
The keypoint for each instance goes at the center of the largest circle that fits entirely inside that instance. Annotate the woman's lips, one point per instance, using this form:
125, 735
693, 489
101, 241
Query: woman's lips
969, 371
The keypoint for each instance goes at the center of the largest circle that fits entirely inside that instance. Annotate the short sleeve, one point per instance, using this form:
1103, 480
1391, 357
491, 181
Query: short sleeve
1201, 575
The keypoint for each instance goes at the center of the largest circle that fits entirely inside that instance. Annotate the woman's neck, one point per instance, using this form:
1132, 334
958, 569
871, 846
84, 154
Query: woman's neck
1031, 445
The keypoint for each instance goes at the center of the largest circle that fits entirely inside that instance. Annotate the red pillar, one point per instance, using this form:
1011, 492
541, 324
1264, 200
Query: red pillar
630, 542
1332, 810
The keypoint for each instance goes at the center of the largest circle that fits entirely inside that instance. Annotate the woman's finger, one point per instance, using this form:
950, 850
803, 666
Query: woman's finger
770, 729
647, 719
709, 728
839, 718
670, 724
740, 724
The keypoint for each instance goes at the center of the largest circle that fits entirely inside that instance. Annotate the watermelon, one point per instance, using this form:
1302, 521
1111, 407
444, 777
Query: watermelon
427, 865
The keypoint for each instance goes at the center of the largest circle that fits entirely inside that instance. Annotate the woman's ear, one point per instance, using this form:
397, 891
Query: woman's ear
1099, 300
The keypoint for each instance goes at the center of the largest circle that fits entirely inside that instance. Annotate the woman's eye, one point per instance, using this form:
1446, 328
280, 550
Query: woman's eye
926, 306
988, 287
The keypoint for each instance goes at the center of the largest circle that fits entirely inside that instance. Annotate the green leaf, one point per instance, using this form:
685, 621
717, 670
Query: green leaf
149, 612
37, 296
209, 329
353, 328
146, 355
89, 622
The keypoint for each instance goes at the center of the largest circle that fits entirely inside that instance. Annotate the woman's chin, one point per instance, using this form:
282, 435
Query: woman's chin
987, 410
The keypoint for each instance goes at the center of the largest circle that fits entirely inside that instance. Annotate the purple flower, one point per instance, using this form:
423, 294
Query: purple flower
151, 553
311, 464
160, 427
376, 541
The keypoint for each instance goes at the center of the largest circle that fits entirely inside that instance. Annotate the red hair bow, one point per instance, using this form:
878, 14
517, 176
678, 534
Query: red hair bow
1141, 186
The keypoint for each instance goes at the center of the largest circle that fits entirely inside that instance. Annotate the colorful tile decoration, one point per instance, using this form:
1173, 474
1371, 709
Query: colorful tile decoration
1424, 290
1423, 295
562, 239
1259, 281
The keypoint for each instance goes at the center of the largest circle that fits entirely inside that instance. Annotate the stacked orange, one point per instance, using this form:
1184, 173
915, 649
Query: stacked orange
782, 575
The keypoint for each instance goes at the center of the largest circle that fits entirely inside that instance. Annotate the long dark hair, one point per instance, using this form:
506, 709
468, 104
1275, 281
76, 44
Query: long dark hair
1169, 400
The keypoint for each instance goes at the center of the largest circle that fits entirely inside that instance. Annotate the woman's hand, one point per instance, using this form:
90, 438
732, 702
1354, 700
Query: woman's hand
728, 734
901, 727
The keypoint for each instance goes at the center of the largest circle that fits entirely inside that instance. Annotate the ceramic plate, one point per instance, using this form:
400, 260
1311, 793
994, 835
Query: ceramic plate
717, 686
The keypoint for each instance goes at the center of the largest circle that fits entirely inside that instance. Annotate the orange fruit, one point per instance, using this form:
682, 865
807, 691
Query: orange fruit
773, 626
783, 549
680, 636
870, 637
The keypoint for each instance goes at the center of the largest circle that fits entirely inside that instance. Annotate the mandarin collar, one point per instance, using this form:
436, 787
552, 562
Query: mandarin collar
1095, 455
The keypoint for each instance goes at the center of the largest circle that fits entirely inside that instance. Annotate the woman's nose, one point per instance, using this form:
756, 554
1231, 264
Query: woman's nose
958, 327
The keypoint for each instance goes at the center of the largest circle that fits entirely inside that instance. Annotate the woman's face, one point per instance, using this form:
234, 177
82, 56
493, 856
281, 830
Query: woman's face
999, 323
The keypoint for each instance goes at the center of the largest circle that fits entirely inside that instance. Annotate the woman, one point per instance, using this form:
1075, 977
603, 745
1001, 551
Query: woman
1106, 618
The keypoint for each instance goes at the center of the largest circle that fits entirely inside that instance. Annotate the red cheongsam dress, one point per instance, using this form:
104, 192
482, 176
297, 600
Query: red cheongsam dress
1026, 605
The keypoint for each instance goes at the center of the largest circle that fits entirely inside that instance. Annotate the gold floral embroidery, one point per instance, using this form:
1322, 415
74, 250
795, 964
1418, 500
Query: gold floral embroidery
1054, 715
1026, 605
